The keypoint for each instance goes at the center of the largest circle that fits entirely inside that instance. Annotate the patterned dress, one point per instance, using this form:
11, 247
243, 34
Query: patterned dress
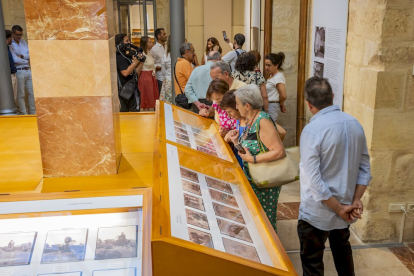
268, 197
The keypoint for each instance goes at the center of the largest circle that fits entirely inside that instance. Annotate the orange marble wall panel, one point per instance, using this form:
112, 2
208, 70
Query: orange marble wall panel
66, 19
117, 124
112, 64
71, 68
77, 136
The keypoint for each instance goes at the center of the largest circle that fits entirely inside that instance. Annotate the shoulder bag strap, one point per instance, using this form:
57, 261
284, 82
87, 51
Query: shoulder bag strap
259, 142
177, 79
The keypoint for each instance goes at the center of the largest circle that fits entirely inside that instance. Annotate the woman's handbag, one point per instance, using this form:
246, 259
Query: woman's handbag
181, 100
275, 173
128, 89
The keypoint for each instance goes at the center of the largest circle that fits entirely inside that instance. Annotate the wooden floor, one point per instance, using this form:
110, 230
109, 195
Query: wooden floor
21, 166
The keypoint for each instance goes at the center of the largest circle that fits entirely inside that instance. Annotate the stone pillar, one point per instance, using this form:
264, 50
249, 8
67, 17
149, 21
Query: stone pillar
285, 38
72, 51
379, 92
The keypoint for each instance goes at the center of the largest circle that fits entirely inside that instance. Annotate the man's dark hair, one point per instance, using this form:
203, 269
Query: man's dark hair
17, 28
119, 38
240, 39
318, 92
158, 32
8, 34
246, 62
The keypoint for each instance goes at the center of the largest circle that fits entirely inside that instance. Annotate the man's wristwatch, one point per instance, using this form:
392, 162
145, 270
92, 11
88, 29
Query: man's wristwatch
254, 159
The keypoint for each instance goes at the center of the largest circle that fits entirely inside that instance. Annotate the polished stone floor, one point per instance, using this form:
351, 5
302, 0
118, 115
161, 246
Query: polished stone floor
368, 261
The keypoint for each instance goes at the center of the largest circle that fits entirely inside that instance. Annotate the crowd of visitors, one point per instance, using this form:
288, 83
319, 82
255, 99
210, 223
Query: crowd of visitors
334, 167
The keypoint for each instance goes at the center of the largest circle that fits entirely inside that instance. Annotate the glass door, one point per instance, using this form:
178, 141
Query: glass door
137, 18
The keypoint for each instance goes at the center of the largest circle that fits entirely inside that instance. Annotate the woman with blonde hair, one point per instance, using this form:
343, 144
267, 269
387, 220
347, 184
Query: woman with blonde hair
212, 45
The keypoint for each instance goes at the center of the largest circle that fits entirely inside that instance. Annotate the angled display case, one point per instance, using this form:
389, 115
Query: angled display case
181, 127
76, 234
207, 219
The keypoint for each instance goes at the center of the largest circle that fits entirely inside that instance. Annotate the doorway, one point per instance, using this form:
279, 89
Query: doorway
137, 18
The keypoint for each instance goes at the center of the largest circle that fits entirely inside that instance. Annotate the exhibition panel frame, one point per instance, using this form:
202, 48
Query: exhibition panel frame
81, 233
207, 219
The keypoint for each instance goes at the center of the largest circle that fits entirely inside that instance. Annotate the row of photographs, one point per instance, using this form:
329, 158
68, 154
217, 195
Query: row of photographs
229, 220
202, 139
69, 245
130, 271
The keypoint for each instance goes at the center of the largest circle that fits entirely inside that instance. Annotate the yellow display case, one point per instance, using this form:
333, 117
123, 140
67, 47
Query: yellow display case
99, 233
207, 219
182, 127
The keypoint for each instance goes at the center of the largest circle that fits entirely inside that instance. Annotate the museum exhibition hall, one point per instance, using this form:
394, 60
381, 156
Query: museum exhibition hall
166, 190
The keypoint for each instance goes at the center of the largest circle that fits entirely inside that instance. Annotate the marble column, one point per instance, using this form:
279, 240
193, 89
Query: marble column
72, 55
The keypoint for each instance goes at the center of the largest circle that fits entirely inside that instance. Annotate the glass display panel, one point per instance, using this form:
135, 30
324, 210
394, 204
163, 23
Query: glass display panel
92, 240
211, 212
194, 132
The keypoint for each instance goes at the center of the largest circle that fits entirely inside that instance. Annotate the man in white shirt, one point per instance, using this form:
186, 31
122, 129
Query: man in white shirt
232, 56
157, 53
20, 52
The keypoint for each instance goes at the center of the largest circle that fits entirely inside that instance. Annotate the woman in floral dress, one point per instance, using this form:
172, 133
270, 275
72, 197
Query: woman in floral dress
249, 103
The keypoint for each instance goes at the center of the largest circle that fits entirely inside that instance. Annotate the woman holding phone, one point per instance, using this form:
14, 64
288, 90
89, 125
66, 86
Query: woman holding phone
258, 125
212, 45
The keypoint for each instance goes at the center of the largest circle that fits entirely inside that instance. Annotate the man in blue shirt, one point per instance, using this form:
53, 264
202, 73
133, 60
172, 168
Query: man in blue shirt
21, 57
198, 83
13, 69
334, 173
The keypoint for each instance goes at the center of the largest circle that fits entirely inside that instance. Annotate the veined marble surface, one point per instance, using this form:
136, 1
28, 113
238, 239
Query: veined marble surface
66, 19
77, 136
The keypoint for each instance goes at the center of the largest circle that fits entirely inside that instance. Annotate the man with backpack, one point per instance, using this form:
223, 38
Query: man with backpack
232, 56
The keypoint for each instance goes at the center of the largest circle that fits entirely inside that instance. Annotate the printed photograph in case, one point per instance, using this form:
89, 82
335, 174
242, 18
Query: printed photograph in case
206, 150
197, 219
223, 198
64, 246
189, 175
200, 237
182, 136
16, 248
241, 250
234, 230
319, 47
179, 124
318, 68
200, 131
204, 143
180, 130
191, 187
184, 143
194, 202
117, 242
131, 271
228, 213
77, 273
219, 185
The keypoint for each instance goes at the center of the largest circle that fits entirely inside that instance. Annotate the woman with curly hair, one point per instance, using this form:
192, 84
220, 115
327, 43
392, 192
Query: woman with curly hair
212, 45
245, 72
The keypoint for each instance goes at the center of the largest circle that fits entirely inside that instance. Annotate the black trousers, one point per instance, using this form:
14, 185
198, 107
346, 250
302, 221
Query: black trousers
204, 101
159, 86
131, 105
312, 245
